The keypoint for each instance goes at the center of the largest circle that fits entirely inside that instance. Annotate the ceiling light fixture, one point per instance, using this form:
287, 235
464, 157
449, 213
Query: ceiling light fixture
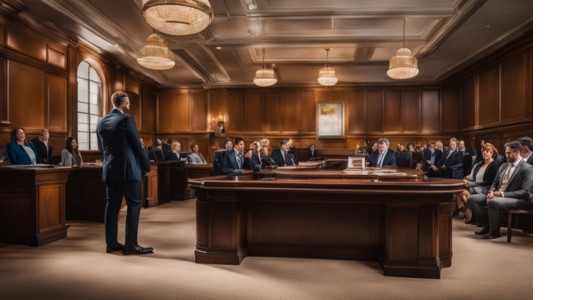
178, 17
327, 74
265, 76
250, 4
403, 65
155, 54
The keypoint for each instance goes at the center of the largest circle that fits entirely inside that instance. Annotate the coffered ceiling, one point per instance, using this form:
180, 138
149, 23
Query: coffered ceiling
445, 36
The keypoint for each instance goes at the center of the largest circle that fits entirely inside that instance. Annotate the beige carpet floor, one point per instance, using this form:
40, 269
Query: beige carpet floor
78, 268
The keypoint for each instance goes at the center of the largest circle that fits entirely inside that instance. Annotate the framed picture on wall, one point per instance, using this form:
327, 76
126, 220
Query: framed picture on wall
330, 120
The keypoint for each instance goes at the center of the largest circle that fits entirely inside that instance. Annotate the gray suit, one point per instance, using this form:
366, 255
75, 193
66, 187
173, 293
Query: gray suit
516, 195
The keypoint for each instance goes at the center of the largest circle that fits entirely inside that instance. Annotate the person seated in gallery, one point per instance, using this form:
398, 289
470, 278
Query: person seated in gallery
219, 156
527, 149
255, 152
450, 165
70, 155
266, 160
313, 153
156, 153
478, 181
468, 155
432, 155
382, 155
196, 157
367, 147
175, 153
20, 151
236, 160
281, 155
43, 147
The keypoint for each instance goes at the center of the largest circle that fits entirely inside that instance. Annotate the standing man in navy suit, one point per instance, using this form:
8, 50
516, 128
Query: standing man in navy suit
382, 156
125, 164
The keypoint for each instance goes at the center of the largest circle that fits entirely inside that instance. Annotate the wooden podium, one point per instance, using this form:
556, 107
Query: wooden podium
33, 204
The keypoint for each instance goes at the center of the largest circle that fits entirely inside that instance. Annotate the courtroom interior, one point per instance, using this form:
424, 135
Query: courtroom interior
316, 149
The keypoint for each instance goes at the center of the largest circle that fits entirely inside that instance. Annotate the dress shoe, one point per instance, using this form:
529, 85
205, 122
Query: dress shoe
492, 235
483, 231
113, 248
137, 250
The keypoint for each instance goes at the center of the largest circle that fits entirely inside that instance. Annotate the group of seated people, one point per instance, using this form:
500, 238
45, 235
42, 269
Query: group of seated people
162, 151
491, 189
39, 151
234, 157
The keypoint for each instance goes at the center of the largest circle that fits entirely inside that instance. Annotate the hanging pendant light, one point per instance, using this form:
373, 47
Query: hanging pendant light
155, 54
265, 76
403, 65
178, 17
327, 74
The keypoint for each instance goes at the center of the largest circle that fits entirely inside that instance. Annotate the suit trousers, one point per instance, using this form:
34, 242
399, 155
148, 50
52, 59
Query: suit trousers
115, 190
491, 213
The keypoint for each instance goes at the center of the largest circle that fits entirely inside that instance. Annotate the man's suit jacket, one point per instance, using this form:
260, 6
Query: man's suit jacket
453, 164
520, 183
278, 158
390, 158
530, 159
44, 152
230, 164
437, 155
314, 154
124, 158
18, 155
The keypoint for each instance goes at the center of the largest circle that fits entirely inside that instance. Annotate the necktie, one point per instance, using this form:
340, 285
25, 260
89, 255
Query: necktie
283, 155
432, 157
380, 160
239, 160
505, 178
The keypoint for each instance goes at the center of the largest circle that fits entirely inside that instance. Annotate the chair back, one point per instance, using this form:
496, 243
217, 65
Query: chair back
404, 159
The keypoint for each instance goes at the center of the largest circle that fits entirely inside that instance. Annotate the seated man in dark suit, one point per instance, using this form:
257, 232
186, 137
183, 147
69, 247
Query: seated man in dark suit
432, 155
219, 157
281, 155
511, 189
382, 156
313, 153
469, 156
235, 160
43, 147
156, 153
450, 165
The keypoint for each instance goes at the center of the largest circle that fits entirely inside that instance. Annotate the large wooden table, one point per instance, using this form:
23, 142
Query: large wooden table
399, 220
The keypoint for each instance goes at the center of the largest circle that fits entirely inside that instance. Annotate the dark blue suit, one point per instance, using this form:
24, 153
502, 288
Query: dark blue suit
280, 161
18, 155
437, 155
390, 159
231, 166
450, 167
125, 163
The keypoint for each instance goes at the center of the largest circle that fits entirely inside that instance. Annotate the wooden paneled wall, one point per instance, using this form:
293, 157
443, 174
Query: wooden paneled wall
38, 86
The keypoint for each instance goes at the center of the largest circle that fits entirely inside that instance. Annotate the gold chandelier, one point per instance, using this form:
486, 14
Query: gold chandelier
178, 17
155, 54
403, 65
327, 74
265, 76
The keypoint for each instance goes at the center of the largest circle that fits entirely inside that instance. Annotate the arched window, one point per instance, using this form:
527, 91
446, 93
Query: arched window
89, 106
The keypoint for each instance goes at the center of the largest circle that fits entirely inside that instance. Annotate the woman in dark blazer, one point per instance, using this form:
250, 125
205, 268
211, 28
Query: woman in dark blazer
480, 179
20, 151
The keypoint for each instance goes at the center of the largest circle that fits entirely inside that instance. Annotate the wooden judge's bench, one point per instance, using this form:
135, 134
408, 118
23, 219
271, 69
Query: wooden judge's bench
395, 218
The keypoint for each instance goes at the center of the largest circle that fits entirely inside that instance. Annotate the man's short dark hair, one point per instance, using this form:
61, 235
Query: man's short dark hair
514, 145
283, 142
118, 98
527, 141
238, 140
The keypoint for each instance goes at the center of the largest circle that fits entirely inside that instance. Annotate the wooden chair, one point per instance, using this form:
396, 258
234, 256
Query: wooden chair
512, 212
404, 159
